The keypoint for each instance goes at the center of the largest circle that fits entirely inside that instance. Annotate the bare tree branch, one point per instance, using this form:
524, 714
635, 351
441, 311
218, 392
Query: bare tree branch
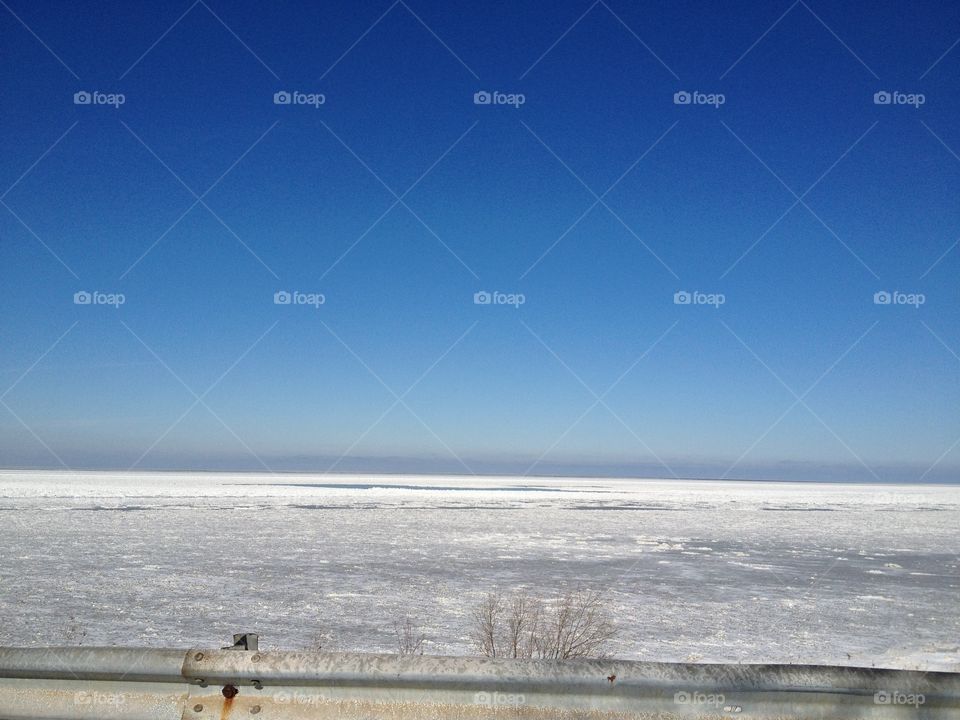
577, 624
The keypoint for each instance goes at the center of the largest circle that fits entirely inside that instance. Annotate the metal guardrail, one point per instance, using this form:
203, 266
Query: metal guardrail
201, 684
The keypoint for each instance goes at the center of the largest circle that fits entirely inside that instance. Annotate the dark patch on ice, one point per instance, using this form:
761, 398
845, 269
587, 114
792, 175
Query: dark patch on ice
378, 506
462, 507
626, 507
334, 507
116, 508
909, 508
800, 509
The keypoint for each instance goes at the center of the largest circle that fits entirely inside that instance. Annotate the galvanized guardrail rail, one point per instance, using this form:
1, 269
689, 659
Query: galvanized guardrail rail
203, 684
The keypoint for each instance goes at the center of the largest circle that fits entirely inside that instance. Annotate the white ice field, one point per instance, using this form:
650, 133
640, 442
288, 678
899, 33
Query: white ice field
696, 571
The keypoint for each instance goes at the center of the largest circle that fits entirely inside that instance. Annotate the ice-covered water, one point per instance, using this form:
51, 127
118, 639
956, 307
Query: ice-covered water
702, 571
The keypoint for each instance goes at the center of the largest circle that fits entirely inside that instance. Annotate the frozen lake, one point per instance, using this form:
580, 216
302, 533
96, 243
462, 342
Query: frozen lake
697, 571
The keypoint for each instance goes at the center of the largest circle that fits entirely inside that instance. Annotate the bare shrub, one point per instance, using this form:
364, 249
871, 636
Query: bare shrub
74, 632
487, 618
576, 624
524, 625
409, 638
579, 625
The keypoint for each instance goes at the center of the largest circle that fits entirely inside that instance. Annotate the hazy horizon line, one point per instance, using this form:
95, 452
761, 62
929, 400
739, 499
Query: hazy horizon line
570, 474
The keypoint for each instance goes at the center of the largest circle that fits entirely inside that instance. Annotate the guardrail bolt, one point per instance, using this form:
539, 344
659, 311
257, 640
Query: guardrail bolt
198, 708
198, 656
229, 691
255, 709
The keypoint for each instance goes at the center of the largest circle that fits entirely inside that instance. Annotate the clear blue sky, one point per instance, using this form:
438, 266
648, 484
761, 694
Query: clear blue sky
798, 374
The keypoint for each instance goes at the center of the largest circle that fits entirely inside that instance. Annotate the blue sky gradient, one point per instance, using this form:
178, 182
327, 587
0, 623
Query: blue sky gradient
399, 198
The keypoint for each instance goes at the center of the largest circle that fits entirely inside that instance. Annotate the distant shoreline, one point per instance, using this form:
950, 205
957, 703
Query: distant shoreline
491, 475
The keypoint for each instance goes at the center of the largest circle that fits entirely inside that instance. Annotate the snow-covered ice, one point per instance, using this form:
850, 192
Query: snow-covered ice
695, 570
